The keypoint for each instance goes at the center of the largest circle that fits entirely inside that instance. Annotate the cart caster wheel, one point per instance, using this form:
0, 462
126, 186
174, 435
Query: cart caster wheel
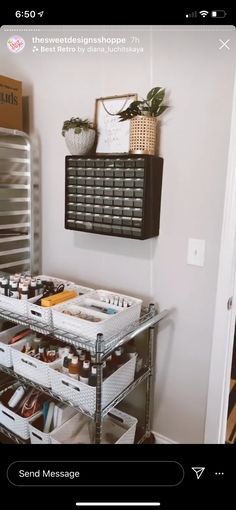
150, 439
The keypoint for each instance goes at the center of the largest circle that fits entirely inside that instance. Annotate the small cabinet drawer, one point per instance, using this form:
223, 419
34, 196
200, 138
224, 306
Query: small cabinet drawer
90, 172
71, 206
129, 172
81, 181
80, 172
108, 192
108, 201
99, 172
128, 192
118, 192
117, 211
80, 208
138, 183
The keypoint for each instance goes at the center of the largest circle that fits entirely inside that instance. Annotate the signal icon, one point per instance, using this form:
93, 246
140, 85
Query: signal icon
204, 13
191, 15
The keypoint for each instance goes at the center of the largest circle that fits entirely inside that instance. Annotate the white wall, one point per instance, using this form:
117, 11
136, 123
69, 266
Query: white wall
194, 144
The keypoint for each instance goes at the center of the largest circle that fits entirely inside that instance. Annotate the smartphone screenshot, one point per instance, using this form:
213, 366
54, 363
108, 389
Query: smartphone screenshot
117, 259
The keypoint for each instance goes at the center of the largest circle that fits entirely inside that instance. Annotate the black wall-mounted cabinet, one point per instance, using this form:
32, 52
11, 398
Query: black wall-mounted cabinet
118, 195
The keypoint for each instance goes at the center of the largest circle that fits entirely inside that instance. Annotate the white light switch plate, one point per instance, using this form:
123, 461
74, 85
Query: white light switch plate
196, 252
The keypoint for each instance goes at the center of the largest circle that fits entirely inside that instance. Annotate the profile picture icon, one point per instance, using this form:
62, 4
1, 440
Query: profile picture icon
15, 43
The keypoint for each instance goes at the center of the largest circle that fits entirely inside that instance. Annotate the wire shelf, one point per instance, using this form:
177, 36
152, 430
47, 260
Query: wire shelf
148, 318
145, 373
12, 436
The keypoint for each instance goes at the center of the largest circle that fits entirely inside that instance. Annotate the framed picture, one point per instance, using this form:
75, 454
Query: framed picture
113, 135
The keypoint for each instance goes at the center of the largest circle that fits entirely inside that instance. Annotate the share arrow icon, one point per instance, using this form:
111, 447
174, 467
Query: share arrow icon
198, 471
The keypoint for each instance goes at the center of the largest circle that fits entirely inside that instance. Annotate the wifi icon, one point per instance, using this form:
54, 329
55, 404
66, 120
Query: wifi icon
204, 13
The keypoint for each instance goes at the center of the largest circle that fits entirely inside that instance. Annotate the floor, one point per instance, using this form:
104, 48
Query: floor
231, 423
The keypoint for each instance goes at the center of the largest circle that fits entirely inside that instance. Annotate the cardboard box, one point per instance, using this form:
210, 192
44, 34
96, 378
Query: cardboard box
11, 103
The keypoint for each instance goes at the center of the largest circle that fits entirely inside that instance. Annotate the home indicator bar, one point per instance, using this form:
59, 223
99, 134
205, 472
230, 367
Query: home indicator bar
128, 504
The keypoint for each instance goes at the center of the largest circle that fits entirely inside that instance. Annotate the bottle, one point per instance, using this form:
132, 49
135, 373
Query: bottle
17, 277
119, 357
20, 287
82, 358
109, 365
16, 397
93, 359
41, 354
84, 372
4, 287
66, 352
39, 286
74, 368
93, 376
13, 290
9, 288
27, 279
66, 362
61, 352
105, 370
87, 355
24, 292
36, 343
32, 288
27, 347
1, 279
51, 355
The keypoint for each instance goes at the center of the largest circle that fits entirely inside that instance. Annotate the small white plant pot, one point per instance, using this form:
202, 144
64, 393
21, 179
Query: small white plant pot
80, 144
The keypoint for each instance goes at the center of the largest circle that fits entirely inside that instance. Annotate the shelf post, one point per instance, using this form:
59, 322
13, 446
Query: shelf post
98, 413
149, 379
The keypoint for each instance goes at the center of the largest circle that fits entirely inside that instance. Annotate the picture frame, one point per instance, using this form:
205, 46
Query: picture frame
113, 135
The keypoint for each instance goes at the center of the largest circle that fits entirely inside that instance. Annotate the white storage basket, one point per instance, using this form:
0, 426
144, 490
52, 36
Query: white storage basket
14, 422
44, 314
64, 434
29, 367
5, 349
109, 324
20, 306
14, 305
37, 436
83, 395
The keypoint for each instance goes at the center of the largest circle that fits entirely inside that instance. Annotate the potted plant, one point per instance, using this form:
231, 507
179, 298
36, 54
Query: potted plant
143, 121
79, 135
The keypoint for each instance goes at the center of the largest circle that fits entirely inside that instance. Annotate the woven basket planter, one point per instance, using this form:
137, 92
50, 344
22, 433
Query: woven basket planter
80, 144
142, 138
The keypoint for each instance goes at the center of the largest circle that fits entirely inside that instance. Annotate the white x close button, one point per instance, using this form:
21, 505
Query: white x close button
224, 44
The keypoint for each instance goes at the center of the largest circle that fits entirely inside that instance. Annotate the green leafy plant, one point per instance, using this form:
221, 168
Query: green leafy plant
152, 106
77, 124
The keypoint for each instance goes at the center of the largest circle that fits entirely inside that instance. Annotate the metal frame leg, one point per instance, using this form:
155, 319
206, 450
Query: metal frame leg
98, 412
149, 380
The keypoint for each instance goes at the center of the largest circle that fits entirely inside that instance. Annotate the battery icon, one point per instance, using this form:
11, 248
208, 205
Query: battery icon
218, 14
